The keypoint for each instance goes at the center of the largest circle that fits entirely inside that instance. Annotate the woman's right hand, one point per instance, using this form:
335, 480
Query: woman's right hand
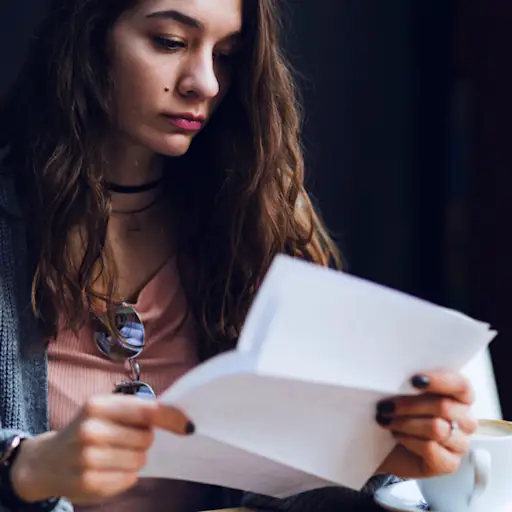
98, 455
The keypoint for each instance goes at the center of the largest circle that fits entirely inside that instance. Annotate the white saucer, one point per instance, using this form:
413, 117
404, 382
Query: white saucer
401, 497
406, 497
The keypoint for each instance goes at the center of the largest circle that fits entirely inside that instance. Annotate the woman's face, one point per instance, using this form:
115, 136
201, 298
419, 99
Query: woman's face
171, 66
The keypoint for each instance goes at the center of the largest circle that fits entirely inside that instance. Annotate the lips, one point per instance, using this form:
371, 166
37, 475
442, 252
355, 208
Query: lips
186, 122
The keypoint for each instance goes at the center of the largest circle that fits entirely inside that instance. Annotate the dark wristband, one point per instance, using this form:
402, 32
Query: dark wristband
9, 450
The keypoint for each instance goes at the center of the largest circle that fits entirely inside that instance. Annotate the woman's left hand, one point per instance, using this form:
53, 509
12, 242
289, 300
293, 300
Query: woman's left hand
433, 429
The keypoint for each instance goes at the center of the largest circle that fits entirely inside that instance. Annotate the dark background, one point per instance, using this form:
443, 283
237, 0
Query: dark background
407, 138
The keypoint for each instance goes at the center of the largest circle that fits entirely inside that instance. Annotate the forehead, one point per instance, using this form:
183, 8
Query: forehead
216, 16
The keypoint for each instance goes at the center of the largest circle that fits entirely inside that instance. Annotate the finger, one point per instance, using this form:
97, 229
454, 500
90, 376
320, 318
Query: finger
136, 412
104, 433
445, 383
120, 409
93, 485
430, 405
172, 420
434, 459
432, 429
457, 442
103, 458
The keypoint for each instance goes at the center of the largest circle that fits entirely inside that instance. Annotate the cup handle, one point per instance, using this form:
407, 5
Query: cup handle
480, 461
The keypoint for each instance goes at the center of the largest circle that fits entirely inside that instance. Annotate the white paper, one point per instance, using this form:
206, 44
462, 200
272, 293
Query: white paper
205, 460
341, 329
293, 408
481, 374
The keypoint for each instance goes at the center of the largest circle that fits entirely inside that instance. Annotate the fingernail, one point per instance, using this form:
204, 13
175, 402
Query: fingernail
190, 428
386, 407
383, 421
420, 381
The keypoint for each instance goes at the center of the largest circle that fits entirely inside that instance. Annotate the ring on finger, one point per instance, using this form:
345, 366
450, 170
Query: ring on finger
454, 427
457, 441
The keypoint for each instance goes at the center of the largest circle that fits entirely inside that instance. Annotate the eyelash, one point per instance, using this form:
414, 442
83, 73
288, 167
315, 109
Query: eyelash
173, 45
168, 44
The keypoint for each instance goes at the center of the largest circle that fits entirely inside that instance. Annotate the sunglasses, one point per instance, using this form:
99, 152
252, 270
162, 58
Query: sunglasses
127, 346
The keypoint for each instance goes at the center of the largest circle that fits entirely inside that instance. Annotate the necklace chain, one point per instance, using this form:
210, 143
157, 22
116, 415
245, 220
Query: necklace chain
140, 210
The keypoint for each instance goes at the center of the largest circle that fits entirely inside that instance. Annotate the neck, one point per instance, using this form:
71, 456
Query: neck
133, 166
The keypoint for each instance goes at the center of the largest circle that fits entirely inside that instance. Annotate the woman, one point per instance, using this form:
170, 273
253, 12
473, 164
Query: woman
152, 171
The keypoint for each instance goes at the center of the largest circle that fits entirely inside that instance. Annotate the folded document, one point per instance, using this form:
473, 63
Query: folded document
293, 407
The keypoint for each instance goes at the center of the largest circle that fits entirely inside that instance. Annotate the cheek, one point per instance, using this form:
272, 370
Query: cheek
134, 83
225, 76
225, 82
139, 89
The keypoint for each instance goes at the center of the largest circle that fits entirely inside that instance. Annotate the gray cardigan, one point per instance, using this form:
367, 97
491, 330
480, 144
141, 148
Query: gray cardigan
24, 370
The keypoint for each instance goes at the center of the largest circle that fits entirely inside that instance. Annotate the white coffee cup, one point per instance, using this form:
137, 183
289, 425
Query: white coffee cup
482, 482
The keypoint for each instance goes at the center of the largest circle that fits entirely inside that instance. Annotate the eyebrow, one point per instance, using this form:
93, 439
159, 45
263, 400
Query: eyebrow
183, 19
179, 17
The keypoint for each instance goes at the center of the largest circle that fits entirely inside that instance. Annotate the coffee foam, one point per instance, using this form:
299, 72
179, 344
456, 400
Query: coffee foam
494, 429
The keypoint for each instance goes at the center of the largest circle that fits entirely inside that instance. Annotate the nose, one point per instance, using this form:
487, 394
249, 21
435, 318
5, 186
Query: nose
200, 79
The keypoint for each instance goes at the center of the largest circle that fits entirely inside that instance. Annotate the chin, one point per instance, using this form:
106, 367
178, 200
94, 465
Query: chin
172, 145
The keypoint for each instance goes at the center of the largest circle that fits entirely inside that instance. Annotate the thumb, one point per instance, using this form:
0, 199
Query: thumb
172, 419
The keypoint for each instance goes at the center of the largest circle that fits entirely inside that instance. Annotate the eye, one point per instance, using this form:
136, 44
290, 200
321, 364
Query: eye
170, 44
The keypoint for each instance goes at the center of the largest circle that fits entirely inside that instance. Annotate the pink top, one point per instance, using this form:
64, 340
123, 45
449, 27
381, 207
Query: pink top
78, 370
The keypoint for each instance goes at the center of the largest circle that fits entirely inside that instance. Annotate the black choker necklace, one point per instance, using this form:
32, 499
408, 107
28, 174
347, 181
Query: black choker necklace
133, 189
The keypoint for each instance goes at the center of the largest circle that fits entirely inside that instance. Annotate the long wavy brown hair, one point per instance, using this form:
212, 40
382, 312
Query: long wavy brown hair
238, 194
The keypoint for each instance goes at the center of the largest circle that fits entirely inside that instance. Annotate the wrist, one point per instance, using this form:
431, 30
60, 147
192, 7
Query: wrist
383, 469
29, 483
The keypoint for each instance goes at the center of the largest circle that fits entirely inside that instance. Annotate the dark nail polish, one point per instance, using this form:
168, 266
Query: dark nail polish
420, 382
386, 407
190, 428
383, 421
